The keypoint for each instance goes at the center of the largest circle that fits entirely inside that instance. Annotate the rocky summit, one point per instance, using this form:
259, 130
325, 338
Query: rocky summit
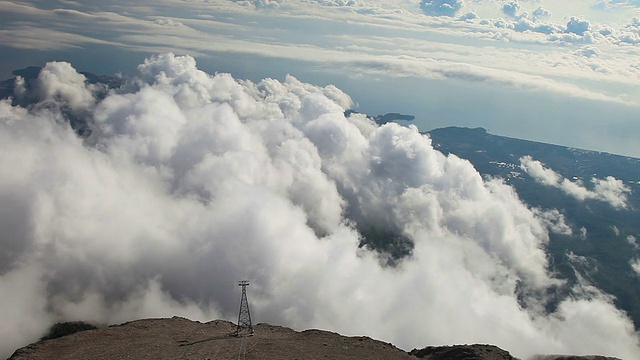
462, 352
180, 338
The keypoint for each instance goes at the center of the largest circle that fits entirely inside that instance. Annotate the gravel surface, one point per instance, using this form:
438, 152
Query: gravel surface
179, 338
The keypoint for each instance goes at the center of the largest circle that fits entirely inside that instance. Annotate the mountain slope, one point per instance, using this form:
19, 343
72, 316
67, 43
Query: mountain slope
602, 244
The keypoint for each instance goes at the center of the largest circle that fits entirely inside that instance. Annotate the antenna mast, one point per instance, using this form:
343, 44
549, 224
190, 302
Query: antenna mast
244, 317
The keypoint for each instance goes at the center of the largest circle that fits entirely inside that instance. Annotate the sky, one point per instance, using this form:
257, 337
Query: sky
562, 72
212, 165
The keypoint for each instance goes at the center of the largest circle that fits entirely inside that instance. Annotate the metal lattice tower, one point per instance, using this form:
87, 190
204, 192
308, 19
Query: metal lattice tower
244, 317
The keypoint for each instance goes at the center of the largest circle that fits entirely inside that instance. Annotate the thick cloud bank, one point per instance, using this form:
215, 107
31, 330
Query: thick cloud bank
190, 182
610, 190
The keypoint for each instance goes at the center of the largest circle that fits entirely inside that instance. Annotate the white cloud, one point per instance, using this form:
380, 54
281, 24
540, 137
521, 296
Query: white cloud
583, 233
541, 13
441, 7
578, 26
59, 82
613, 4
609, 189
579, 260
469, 16
338, 2
200, 31
583, 315
612, 191
588, 51
615, 230
260, 4
20, 87
525, 24
191, 182
555, 221
511, 8
635, 265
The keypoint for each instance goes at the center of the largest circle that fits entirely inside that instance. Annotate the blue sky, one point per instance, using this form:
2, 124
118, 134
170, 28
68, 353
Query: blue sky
564, 72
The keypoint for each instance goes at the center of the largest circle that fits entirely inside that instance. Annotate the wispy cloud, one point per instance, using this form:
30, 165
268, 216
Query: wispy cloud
609, 189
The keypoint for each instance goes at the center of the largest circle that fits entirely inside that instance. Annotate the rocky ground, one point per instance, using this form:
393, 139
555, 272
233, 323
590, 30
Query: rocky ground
179, 338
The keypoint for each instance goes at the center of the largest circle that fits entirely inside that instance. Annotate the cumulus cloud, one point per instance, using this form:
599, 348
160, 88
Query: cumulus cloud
60, 82
441, 7
578, 26
261, 4
511, 8
541, 13
190, 182
168, 22
635, 265
613, 4
338, 2
588, 51
576, 31
583, 233
525, 24
572, 38
609, 189
555, 221
469, 16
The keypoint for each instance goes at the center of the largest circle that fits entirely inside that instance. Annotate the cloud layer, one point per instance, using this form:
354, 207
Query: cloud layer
190, 182
567, 64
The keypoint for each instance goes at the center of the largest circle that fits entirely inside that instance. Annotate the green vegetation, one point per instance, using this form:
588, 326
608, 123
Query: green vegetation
67, 328
602, 257
391, 245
